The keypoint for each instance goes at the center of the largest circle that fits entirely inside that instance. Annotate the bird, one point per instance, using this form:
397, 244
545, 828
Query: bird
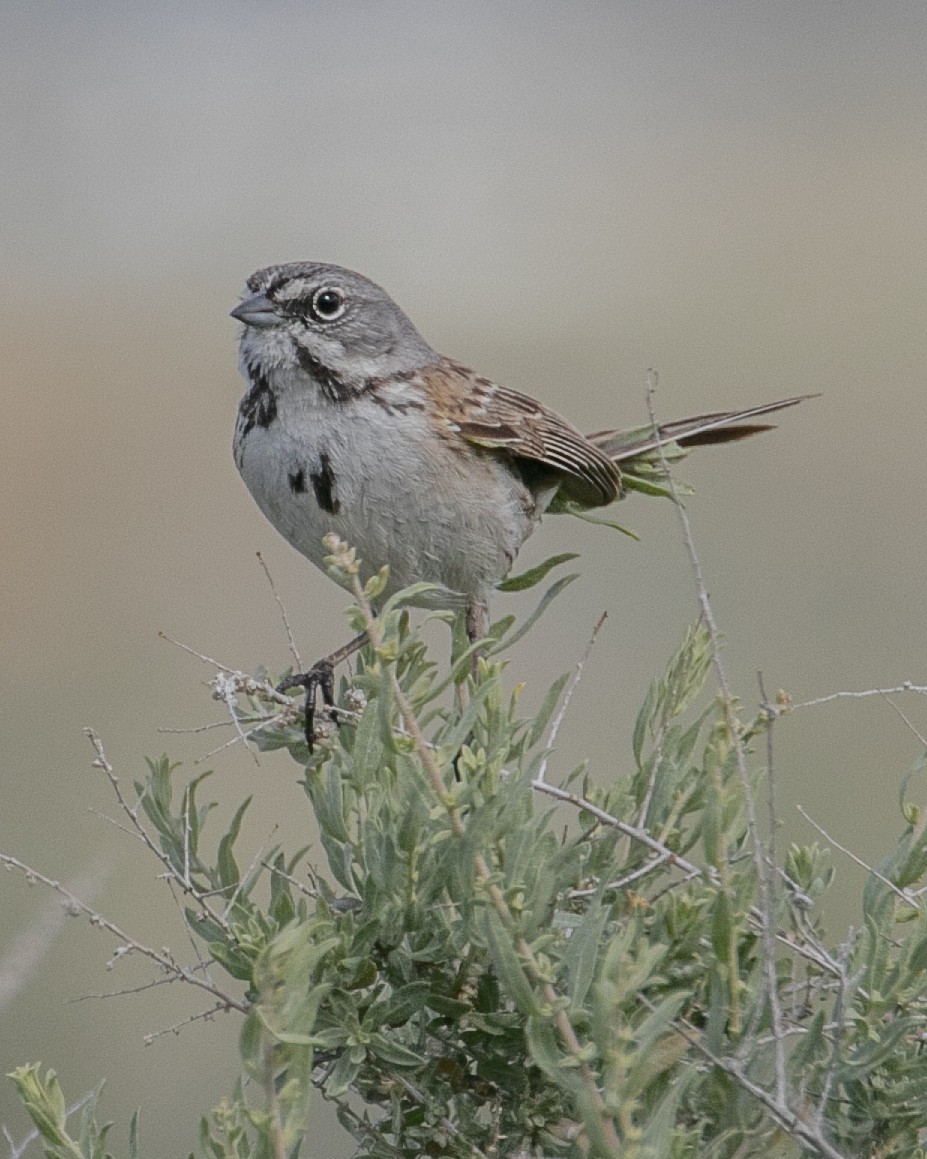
352, 423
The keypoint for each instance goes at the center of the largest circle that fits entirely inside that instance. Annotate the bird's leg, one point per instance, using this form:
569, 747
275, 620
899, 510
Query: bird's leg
477, 626
321, 678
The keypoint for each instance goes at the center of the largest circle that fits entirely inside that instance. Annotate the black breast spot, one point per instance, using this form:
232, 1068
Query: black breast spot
323, 484
297, 481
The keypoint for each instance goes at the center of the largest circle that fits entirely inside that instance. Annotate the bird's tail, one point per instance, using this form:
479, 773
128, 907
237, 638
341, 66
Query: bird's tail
645, 453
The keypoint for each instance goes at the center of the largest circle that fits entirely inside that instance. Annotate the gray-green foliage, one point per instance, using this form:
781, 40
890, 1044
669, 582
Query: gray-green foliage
466, 968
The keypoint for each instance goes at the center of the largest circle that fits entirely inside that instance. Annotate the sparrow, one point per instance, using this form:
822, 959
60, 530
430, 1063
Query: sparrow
353, 424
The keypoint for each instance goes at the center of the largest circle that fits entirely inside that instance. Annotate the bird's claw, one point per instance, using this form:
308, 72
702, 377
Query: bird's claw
320, 678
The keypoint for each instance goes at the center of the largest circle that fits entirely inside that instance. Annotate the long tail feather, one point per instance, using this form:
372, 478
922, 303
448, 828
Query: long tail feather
702, 430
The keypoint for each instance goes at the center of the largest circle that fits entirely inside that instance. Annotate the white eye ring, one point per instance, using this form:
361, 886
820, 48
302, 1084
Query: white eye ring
328, 303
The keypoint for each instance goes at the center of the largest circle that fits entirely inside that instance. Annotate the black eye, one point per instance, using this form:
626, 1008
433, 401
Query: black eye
328, 303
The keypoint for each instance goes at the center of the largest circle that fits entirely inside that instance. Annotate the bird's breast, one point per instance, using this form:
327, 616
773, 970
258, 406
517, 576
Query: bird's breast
432, 509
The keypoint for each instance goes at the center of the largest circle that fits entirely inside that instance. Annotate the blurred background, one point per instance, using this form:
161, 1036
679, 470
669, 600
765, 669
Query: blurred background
560, 195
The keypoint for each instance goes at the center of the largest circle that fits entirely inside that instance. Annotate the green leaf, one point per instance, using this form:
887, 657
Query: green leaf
546, 711
544, 1051
549, 596
394, 1053
133, 1134
462, 728
193, 817
399, 1007
610, 523
344, 1073
45, 1105
508, 966
406, 596
534, 575
367, 750
643, 723
721, 926
229, 875
583, 947
647, 487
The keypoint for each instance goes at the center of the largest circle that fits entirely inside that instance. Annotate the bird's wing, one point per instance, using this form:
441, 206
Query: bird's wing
487, 415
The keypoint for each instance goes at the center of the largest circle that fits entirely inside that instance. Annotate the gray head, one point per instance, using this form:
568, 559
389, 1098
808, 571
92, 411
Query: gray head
333, 323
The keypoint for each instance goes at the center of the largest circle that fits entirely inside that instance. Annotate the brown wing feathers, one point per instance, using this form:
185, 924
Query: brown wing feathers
494, 416
488, 415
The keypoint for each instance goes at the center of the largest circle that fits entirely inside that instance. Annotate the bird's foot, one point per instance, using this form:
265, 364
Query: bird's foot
320, 678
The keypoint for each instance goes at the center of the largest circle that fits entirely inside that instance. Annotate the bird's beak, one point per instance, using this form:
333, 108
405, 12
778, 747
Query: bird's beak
258, 310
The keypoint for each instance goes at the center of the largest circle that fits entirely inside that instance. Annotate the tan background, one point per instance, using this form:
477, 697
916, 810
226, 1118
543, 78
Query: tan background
560, 194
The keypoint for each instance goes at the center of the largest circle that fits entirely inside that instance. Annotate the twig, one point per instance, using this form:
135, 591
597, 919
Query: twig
623, 882
568, 695
907, 686
195, 728
444, 1122
286, 623
666, 856
203, 1016
633, 831
920, 736
225, 690
139, 830
345, 1110
192, 652
831, 1071
203, 963
295, 882
19, 964
904, 895
242, 735
234, 682
152, 984
805, 1133
162, 958
765, 881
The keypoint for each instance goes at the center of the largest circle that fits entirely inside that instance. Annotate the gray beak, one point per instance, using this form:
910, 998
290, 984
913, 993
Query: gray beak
258, 310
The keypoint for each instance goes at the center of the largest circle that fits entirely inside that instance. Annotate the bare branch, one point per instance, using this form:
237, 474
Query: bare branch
568, 694
203, 1016
765, 881
906, 896
806, 1133
294, 651
906, 686
131, 811
161, 958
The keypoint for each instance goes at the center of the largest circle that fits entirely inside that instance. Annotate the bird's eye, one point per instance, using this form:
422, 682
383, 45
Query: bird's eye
327, 304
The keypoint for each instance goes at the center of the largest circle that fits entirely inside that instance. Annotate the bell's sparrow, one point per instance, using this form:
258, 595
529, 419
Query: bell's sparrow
352, 423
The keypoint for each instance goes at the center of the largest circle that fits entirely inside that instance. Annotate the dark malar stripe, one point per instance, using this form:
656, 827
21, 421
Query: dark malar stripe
327, 380
259, 406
